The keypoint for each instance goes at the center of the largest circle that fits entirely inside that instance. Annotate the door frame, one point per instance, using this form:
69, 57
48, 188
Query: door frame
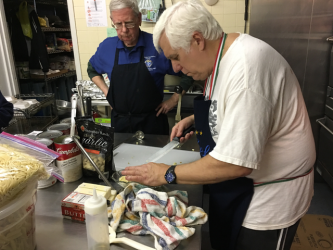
70, 6
9, 84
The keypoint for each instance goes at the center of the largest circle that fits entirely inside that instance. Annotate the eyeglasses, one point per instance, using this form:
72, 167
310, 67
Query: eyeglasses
118, 26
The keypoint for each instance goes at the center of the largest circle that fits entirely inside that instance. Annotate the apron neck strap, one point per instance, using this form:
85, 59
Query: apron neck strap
142, 57
116, 58
211, 80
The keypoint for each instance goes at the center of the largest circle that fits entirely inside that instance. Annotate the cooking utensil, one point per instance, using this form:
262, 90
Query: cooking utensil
171, 145
91, 161
178, 90
113, 239
138, 134
69, 139
88, 102
80, 92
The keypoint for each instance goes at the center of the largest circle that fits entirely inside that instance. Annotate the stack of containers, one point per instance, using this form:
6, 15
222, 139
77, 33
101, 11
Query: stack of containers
17, 221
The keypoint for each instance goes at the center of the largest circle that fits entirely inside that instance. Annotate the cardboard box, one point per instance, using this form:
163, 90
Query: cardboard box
314, 232
72, 207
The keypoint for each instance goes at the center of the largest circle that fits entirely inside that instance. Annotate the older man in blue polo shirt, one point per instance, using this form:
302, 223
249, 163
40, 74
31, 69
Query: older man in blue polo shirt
136, 71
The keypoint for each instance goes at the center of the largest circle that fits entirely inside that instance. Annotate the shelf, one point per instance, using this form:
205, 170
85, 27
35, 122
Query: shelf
68, 74
52, 2
62, 73
58, 51
43, 2
25, 126
50, 29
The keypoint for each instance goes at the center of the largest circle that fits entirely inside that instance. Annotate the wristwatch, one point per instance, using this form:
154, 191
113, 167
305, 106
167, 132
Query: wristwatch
170, 175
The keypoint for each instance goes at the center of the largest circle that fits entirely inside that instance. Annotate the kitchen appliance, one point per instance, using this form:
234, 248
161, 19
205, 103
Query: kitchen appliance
298, 30
325, 146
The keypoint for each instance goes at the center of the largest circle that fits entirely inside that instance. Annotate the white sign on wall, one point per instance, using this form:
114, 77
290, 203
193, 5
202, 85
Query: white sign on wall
95, 13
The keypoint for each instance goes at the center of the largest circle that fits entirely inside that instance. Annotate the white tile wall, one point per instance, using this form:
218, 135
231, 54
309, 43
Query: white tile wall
229, 14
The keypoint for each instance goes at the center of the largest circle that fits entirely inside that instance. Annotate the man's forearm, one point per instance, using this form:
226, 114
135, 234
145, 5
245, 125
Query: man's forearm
215, 171
99, 81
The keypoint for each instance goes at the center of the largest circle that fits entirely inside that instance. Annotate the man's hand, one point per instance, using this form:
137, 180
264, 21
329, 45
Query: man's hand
166, 106
99, 81
178, 129
150, 174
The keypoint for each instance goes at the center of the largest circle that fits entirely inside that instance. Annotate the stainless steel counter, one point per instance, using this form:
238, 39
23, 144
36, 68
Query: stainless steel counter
54, 232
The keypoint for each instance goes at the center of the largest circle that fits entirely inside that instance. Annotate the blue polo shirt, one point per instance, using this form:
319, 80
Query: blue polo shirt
157, 64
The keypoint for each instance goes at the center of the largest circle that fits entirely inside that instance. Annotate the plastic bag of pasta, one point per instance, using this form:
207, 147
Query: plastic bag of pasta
22, 162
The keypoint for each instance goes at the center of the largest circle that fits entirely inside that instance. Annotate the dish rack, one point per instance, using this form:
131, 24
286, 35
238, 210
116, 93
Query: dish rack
24, 120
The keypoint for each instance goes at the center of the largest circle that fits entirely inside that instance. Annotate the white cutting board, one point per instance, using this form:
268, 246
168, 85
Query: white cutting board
133, 155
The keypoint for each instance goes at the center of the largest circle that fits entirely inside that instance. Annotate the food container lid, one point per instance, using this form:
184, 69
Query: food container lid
32, 137
96, 204
50, 134
62, 126
32, 101
21, 104
45, 141
66, 120
11, 98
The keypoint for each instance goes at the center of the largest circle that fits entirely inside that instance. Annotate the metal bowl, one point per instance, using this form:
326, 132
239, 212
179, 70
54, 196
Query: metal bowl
63, 107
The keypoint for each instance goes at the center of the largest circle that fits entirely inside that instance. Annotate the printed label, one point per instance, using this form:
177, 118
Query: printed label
70, 163
67, 151
77, 198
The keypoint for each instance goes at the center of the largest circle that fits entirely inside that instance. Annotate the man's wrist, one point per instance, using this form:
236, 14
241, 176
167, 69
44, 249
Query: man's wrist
175, 97
170, 175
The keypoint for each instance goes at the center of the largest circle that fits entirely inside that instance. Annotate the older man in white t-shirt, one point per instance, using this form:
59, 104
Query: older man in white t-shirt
258, 124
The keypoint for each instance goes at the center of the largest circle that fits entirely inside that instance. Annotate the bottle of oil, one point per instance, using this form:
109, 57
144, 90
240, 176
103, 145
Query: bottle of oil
97, 222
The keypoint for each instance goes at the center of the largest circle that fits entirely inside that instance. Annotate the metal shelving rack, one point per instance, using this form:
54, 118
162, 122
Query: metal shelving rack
24, 121
55, 76
51, 29
55, 5
68, 74
58, 51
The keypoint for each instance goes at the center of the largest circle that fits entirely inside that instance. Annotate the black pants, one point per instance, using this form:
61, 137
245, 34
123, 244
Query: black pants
280, 239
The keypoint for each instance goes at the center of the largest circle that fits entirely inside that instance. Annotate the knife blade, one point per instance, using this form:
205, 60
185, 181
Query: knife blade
171, 145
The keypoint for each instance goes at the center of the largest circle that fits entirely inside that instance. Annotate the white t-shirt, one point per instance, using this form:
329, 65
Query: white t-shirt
259, 120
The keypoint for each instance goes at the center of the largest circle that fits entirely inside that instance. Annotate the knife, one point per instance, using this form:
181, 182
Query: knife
171, 145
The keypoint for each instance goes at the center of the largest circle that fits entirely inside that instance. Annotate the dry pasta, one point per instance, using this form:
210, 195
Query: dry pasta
16, 170
17, 230
123, 179
98, 159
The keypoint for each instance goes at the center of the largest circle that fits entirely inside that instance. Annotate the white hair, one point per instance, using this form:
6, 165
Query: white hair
181, 20
122, 4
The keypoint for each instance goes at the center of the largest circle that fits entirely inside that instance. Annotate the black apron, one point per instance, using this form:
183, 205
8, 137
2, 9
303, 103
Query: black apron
229, 200
133, 95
